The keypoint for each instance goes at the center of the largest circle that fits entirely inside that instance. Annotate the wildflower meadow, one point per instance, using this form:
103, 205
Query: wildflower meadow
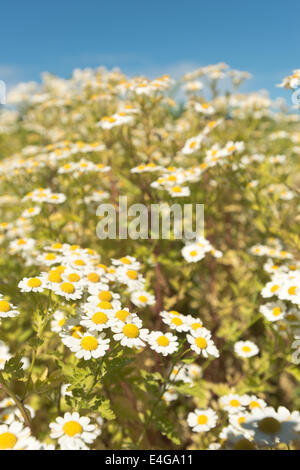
114, 335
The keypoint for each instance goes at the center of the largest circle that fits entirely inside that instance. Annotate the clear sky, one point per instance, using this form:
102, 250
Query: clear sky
150, 37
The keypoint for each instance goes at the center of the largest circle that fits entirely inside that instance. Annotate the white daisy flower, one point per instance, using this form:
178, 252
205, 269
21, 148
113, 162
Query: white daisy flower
31, 212
14, 436
7, 309
68, 290
201, 342
162, 343
179, 191
202, 420
31, 284
142, 298
73, 431
252, 401
193, 253
273, 311
96, 319
233, 403
130, 333
175, 321
246, 349
89, 345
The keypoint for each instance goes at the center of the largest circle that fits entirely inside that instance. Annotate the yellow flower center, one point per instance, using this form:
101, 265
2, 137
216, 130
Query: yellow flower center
79, 262
201, 343
254, 404
93, 277
34, 282
269, 425
105, 295
143, 298
177, 321
125, 260
73, 277
234, 403
196, 325
4, 306
99, 318
54, 276
202, 419
60, 269
292, 290
7, 440
193, 253
71, 428
50, 257
176, 189
67, 287
56, 246
274, 289
130, 330
132, 274
122, 315
241, 420
163, 341
89, 343
276, 311
104, 305
62, 322
246, 348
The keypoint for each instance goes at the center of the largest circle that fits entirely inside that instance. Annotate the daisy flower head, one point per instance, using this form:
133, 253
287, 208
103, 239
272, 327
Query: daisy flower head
14, 436
163, 343
246, 349
141, 298
253, 402
68, 290
193, 323
233, 403
128, 261
96, 319
73, 431
201, 342
31, 212
175, 320
273, 288
31, 284
202, 420
102, 294
179, 191
130, 332
192, 145
7, 309
89, 345
273, 311
193, 253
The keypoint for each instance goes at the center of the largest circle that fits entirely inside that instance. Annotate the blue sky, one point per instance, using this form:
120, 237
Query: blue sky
150, 37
